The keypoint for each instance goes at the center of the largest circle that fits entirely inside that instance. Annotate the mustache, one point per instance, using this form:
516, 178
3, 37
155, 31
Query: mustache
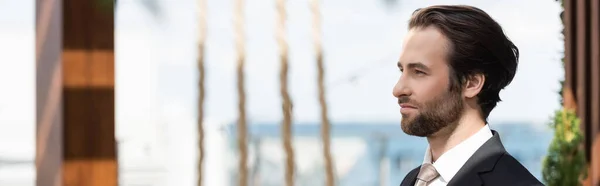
405, 99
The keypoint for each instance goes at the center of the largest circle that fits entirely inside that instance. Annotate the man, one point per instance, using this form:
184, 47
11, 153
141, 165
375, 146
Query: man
454, 62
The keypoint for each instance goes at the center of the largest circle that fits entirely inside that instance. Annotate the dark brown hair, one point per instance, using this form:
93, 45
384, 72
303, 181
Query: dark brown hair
477, 45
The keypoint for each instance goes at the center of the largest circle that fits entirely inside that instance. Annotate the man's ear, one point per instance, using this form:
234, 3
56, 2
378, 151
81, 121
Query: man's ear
473, 85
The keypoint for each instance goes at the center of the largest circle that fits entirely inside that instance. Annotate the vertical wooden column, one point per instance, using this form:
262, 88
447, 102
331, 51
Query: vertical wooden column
594, 124
582, 79
76, 92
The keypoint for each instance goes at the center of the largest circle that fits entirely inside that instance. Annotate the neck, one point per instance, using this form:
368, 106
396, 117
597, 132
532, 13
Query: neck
454, 134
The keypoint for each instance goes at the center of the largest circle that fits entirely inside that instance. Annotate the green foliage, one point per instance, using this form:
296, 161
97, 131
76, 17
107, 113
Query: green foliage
106, 6
565, 163
560, 92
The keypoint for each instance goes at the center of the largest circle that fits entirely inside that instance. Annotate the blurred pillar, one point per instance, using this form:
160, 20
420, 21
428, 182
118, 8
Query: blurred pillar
49, 120
582, 81
75, 93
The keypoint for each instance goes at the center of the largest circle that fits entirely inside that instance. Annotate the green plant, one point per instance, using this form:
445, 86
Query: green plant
565, 163
106, 6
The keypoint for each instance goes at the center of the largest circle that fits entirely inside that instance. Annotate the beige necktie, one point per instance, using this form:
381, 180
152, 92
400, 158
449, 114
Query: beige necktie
426, 174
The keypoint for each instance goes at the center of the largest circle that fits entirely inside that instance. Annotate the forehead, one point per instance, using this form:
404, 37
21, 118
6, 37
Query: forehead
425, 45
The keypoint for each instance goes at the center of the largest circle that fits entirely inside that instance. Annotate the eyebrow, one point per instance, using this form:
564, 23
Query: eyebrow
414, 65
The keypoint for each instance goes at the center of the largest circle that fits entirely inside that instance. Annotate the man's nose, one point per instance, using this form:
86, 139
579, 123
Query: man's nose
401, 89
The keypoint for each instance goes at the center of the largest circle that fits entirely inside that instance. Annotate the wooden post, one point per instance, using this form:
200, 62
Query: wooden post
594, 104
582, 82
75, 93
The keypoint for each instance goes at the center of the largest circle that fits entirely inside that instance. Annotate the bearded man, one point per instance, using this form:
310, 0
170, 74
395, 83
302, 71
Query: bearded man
454, 62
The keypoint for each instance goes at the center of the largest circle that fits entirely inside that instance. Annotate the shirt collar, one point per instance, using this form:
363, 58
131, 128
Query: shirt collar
449, 163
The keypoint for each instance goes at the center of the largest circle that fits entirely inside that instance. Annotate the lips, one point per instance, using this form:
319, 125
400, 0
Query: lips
406, 105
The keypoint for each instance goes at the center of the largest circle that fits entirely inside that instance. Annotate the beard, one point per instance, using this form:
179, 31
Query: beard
433, 116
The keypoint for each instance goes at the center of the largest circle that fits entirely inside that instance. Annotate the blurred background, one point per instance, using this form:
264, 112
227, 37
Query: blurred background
156, 90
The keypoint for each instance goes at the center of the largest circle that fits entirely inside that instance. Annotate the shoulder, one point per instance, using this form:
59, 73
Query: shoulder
510, 171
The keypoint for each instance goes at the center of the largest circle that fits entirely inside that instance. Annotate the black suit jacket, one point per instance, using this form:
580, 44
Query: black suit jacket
490, 165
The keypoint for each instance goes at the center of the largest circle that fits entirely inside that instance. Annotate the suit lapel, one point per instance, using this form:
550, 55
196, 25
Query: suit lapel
483, 160
411, 177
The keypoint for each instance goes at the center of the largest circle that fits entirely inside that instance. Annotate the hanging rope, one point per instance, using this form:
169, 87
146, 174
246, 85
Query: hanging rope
325, 126
242, 128
286, 128
201, 92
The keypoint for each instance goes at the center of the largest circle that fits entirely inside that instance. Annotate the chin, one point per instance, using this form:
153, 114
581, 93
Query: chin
409, 129
405, 125
406, 116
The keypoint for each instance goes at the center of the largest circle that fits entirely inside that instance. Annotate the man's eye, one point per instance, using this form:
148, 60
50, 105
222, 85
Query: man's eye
418, 72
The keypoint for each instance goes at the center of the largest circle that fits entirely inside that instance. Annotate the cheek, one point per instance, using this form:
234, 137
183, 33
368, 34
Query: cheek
430, 89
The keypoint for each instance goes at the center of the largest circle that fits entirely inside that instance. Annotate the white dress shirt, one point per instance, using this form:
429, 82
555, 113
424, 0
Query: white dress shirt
448, 164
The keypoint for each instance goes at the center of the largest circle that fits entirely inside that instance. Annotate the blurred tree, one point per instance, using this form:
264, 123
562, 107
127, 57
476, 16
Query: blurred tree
242, 129
565, 163
325, 126
286, 129
201, 87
